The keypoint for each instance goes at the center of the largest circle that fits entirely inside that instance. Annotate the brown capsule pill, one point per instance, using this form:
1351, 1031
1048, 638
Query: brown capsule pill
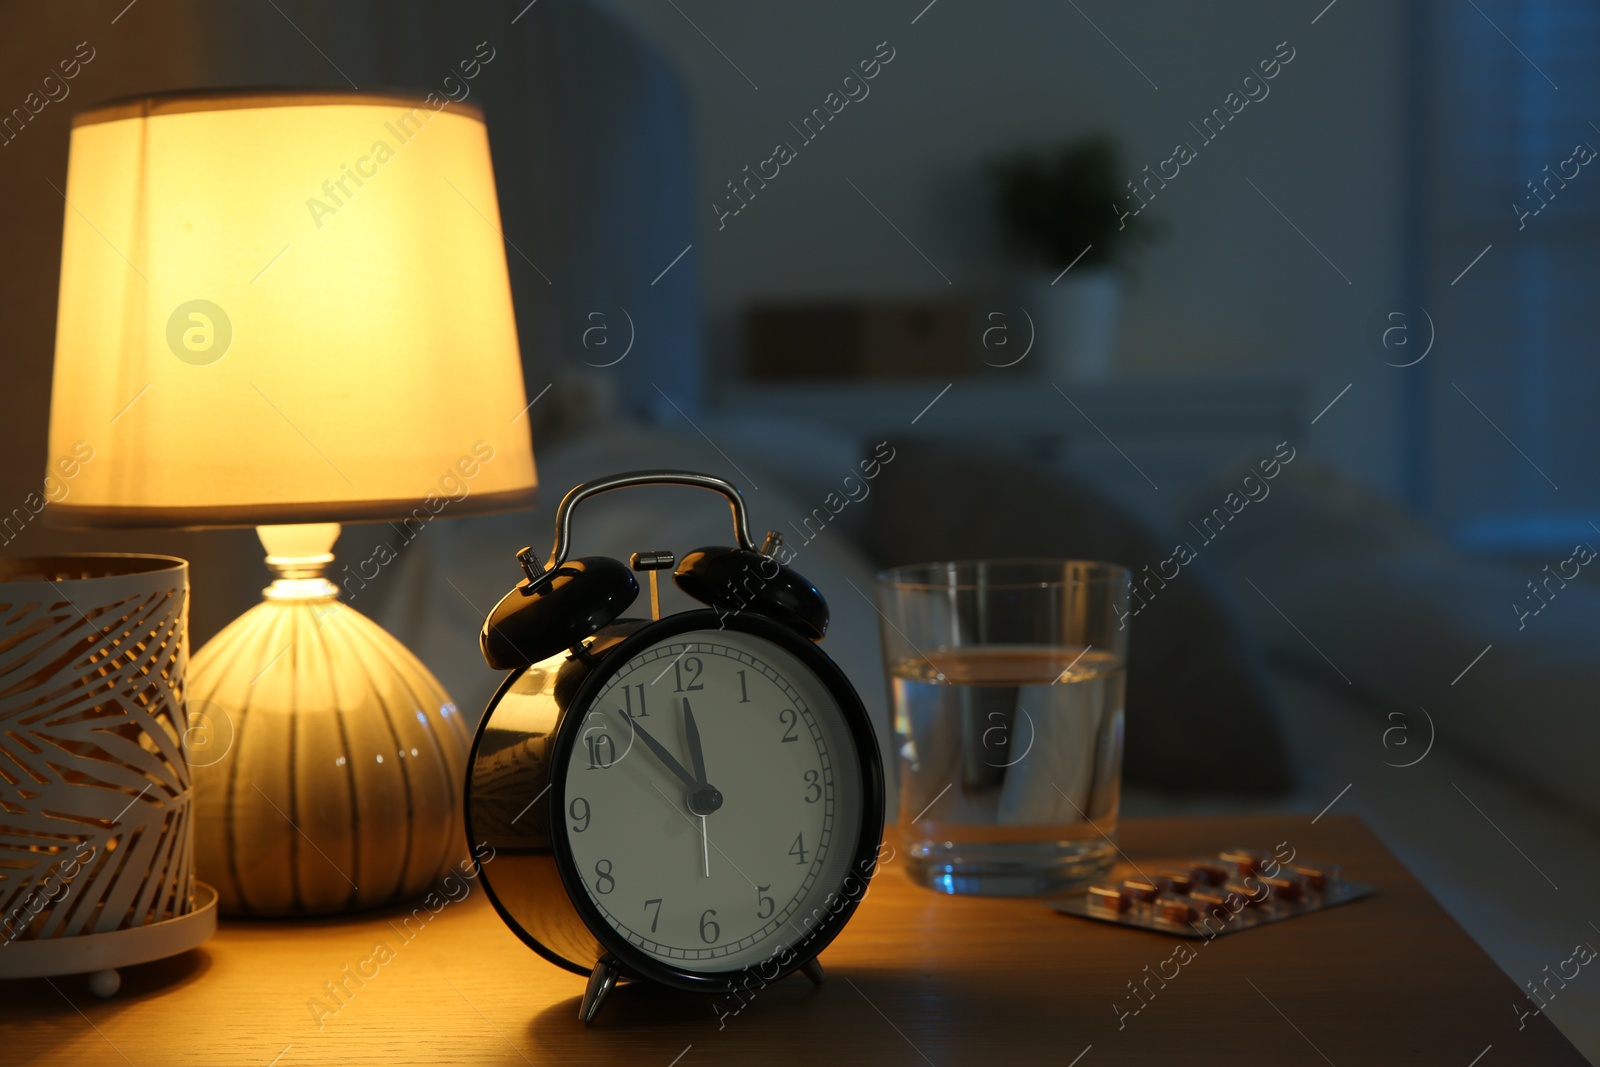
1110, 897
1246, 860
1179, 879
1142, 888
1290, 887
1318, 875
1175, 909
1253, 892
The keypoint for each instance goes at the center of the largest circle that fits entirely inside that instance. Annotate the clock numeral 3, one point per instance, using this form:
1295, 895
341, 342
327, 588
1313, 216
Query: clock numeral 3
693, 665
602, 751
603, 882
813, 787
709, 930
765, 905
573, 809
798, 849
790, 718
654, 918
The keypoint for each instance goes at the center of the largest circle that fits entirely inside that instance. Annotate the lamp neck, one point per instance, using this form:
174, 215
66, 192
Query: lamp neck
297, 556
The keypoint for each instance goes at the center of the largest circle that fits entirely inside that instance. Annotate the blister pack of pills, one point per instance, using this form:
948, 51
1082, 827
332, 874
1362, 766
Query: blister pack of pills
1235, 890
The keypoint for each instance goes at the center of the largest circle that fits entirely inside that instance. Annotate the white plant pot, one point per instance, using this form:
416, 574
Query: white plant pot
1075, 323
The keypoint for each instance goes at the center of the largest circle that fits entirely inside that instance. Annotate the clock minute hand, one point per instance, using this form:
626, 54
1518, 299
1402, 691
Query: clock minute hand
662, 754
692, 731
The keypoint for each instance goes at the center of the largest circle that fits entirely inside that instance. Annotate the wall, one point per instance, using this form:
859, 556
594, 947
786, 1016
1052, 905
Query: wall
129, 54
1233, 288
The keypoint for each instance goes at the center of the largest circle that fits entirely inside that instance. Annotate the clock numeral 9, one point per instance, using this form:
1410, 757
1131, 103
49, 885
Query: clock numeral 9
765, 905
813, 787
602, 751
798, 849
657, 916
789, 718
603, 882
709, 930
693, 665
579, 809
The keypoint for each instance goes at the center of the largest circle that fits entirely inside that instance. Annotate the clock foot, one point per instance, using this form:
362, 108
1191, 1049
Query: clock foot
601, 981
812, 969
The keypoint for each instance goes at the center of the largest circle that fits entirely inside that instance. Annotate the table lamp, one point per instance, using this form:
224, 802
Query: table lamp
291, 310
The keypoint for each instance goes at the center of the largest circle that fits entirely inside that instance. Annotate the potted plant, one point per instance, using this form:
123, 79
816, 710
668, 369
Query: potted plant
1064, 214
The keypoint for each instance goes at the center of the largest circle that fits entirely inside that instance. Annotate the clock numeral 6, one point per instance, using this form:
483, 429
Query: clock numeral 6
602, 751
798, 849
765, 905
603, 882
813, 787
657, 916
579, 809
790, 718
709, 930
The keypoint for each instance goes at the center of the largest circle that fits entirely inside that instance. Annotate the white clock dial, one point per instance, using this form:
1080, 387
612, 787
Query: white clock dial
722, 858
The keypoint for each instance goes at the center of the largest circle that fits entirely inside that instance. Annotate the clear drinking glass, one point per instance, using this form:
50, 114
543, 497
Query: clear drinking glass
1006, 679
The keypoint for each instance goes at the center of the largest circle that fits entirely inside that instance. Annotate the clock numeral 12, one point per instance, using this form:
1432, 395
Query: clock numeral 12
798, 849
695, 667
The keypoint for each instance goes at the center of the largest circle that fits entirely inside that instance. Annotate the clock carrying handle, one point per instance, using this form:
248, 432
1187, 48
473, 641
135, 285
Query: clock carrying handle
537, 571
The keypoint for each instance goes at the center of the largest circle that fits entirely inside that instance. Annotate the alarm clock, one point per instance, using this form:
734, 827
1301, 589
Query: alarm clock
694, 801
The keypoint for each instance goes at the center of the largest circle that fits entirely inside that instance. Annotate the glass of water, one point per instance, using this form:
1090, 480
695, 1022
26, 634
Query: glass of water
1006, 679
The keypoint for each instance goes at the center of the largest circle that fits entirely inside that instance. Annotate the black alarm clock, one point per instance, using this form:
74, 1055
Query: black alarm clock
694, 801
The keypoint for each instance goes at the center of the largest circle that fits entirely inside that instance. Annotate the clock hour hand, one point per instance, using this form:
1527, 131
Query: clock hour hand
662, 754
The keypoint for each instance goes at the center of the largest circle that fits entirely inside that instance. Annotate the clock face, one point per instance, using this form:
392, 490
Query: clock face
713, 801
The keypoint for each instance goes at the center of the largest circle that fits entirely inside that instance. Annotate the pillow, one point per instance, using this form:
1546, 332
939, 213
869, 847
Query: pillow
1200, 715
1507, 675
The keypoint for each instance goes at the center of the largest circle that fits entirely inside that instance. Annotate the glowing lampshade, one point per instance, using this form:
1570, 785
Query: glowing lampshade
283, 308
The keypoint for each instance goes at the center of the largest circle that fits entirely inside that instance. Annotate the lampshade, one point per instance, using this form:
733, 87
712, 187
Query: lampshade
284, 307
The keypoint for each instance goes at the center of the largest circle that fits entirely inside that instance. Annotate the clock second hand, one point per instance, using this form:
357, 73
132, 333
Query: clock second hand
697, 757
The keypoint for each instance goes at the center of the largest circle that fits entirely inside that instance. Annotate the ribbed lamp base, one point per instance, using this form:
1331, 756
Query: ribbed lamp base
329, 767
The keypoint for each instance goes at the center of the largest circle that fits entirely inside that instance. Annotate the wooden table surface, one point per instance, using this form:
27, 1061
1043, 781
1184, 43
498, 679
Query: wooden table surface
917, 978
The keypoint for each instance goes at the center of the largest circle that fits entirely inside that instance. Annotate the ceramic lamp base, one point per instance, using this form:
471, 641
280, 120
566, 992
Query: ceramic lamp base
328, 762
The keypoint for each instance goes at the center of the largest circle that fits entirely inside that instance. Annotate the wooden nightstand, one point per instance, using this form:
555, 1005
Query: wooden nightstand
917, 978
